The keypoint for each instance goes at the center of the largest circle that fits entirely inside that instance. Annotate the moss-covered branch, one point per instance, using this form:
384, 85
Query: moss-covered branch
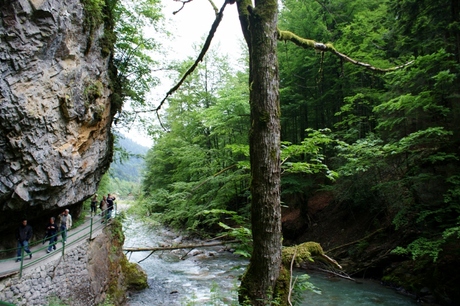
305, 252
311, 44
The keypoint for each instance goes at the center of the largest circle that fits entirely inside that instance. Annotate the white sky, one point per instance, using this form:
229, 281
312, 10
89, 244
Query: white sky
189, 27
194, 22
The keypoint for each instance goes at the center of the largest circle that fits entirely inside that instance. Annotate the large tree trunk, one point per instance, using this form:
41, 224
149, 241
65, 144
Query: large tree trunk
259, 27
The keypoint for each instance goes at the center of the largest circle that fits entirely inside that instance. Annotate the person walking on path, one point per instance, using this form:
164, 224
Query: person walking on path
51, 231
65, 223
23, 235
103, 207
93, 205
110, 204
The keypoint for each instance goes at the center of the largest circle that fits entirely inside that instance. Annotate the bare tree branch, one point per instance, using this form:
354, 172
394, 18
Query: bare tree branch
200, 57
309, 43
291, 282
183, 5
356, 241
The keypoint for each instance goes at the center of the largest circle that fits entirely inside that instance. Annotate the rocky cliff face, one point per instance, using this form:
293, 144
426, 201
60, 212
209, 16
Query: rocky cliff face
55, 110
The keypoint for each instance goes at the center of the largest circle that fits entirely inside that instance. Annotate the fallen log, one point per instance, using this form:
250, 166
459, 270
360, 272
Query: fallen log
177, 247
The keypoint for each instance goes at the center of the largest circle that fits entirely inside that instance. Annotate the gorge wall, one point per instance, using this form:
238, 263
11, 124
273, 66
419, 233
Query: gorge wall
55, 109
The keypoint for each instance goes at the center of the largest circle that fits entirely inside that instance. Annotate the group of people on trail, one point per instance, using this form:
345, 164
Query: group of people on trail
106, 206
60, 226
53, 229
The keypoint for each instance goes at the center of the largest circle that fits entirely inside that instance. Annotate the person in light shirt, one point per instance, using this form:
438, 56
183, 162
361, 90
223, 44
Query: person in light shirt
65, 223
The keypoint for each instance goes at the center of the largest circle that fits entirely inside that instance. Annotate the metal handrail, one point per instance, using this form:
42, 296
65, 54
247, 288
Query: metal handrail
93, 227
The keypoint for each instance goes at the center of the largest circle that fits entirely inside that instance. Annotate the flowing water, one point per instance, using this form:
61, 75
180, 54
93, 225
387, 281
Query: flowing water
209, 276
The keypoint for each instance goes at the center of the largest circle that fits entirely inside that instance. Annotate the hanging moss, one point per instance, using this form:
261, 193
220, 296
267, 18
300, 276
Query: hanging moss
94, 18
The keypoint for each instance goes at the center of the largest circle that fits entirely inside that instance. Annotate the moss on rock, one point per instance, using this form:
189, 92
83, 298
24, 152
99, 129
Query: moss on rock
124, 275
135, 276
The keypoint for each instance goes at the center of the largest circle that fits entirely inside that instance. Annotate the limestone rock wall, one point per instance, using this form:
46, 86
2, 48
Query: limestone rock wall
55, 110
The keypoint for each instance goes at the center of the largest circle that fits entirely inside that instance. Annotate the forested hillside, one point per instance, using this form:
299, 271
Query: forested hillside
370, 160
125, 174
129, 163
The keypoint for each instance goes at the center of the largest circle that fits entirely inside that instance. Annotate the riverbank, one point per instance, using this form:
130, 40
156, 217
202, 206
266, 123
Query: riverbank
211, 276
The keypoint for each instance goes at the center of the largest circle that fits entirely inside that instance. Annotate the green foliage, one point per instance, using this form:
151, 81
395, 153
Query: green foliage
93, 91
392, 149
125, 174
394, 136
133, 58
244, 235
94, 15
104, 185
423, 26
55, 301
129, 160
421, 247
196, 170
300, 285
311, 160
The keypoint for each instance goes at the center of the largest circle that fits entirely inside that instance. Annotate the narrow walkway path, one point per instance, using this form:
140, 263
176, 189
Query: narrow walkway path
89, 229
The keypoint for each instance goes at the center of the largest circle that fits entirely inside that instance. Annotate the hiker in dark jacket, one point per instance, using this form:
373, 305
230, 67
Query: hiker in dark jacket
110, 205
52, 232
23, 235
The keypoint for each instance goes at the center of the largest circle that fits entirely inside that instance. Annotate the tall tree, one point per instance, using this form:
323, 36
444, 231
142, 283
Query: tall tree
259, 25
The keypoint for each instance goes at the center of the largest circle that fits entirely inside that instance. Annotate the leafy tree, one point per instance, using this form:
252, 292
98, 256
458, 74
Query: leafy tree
259, 25
194, 167
401, 125
133, 58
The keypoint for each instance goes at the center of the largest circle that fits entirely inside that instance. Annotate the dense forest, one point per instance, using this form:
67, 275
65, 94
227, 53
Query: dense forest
376, 149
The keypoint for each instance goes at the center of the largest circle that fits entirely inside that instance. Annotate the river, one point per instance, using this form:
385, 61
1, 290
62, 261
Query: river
210, 277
